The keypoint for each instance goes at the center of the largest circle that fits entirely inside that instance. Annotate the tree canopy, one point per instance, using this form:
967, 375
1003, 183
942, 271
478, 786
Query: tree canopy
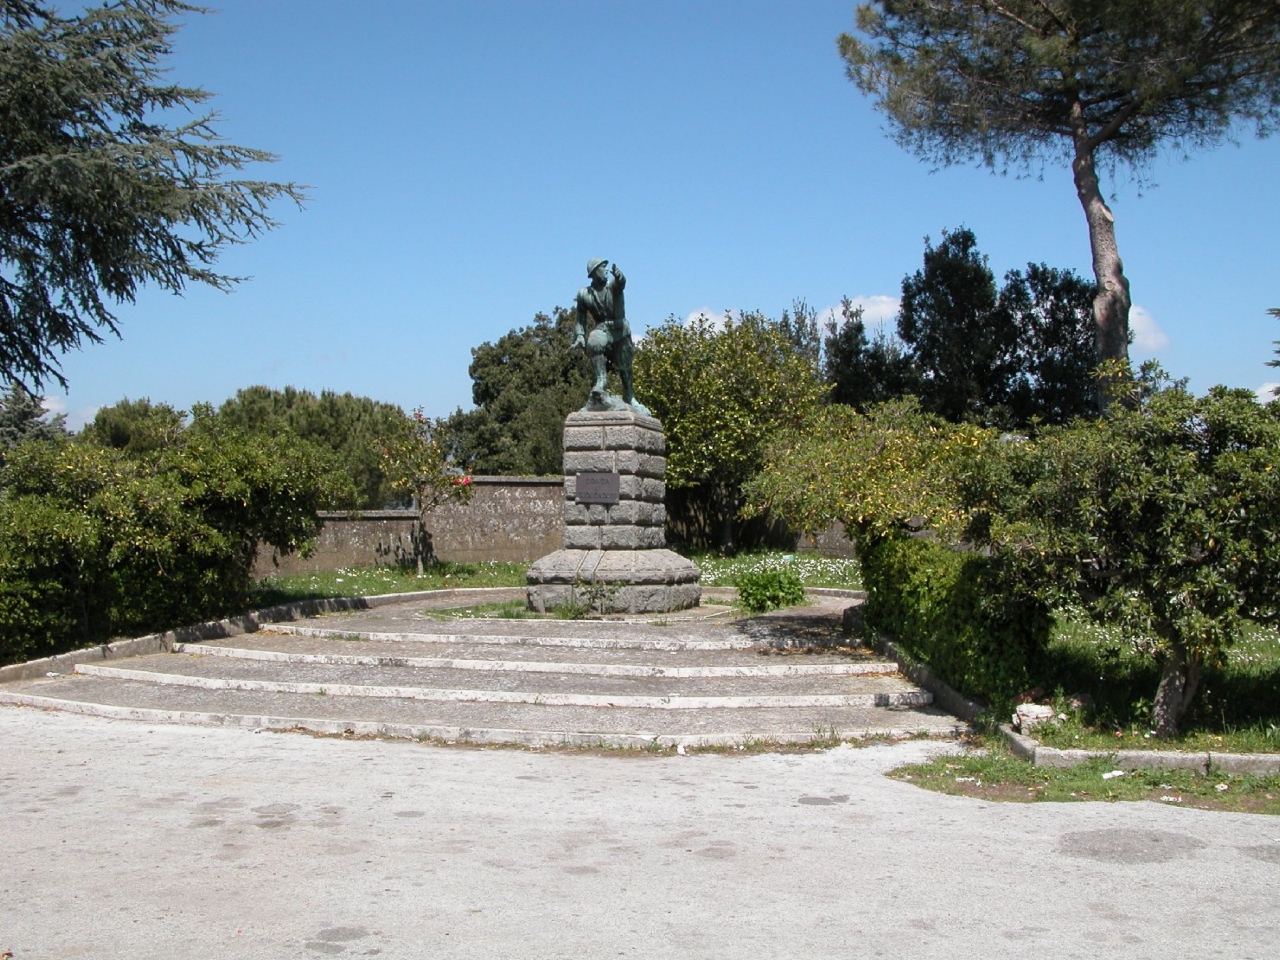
523, 386
970, 351
356, 431
98, 194
23, 417
137, 427
1014, 83
721, 390
963, 345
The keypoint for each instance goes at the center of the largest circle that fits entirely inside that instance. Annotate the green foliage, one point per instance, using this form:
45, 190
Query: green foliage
721, 391
356, 431
1004, 357
765, 590
955, 610
879, 473
1052, 312
23, 417
97, 194
1163, 519
418, 463
993, 774
372, 581
95, 543
138, 427
963, 346
1236, 710
523, 387
1015, 83
1009, 358
813, 570
997, 83
863, 372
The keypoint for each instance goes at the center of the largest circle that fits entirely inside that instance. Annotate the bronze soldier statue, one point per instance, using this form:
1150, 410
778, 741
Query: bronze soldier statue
603, 332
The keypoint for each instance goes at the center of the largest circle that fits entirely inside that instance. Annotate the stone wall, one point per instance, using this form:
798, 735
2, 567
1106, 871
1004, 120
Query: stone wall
508, 518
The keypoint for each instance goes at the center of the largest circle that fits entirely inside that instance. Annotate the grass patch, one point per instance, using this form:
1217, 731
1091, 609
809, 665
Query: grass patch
995, 774
1237, 709
372, 581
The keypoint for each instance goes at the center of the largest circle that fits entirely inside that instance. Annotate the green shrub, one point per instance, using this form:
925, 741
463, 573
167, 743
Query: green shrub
1162, 520
952, 609
765, 590
96, 543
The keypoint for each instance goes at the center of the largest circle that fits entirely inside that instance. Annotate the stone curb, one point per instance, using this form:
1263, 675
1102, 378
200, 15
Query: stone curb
449, 734
944, 696
536, 666
228, 627
250, 622
901, 699
1260, 764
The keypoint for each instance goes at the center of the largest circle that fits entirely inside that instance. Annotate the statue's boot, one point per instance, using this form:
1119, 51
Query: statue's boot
602, 373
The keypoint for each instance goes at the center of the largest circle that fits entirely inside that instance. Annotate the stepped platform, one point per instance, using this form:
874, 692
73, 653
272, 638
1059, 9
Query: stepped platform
430, 669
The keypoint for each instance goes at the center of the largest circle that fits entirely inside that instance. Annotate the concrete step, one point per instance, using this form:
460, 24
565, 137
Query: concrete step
480, 722
488, 634
534, 659
412, 669
569, 689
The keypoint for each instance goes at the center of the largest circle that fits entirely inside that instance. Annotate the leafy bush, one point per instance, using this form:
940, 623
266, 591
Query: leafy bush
96, 543
953, 610
765, 590
1162, 520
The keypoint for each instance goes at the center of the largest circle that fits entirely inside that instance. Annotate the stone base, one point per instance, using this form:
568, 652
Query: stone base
614, 581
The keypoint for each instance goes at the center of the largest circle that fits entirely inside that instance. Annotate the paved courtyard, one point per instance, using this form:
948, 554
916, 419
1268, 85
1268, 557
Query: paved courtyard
131, 840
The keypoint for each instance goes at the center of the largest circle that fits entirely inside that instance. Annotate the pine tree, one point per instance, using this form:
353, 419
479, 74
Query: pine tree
97, 194
1018, 82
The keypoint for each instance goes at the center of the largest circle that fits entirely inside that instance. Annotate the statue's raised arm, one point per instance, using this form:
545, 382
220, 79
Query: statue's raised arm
602, 330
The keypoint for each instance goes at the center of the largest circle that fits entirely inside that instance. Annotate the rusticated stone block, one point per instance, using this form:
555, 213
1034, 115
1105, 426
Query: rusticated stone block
633, 438
591, 461
653, 490
630, 538
583, 538
625, 511
651, 466
584, 438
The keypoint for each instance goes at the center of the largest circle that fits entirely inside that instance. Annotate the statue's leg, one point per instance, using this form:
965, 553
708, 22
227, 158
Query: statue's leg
602, 373
597, 346
623, 353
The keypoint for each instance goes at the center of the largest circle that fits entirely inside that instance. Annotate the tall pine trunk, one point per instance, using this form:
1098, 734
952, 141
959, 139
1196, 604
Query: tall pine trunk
1111, 302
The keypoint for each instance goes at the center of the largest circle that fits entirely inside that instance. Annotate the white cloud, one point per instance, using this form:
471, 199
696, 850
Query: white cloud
1267, 392
1147, 335
877, 308
76, 419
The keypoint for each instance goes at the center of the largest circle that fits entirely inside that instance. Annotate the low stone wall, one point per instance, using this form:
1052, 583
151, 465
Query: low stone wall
508, 518
516, 519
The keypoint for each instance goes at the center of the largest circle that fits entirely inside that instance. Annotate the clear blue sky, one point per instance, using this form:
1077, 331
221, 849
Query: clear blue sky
465, 160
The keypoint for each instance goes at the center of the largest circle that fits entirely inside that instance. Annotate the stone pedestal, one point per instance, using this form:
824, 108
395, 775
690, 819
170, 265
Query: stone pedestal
614, 558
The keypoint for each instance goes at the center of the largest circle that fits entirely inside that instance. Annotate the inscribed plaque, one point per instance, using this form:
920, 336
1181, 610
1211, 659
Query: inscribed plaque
597, 487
